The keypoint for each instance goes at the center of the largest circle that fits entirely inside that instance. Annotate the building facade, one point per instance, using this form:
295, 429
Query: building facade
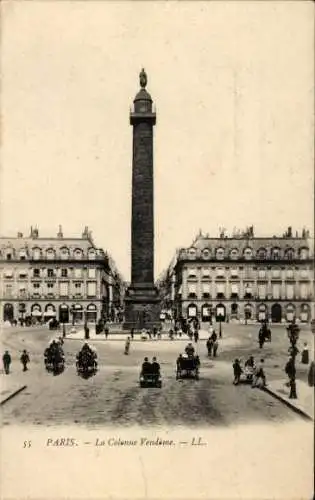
69, 279
244, 278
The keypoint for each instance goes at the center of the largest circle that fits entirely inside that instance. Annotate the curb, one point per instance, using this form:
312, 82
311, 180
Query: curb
15, 393
290, 405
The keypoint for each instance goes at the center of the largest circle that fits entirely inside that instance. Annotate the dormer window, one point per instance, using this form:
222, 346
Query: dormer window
275, 253
303, 253
289, 254
50, 254
234, 254
36, 253
92, 254
261, 253
206, 253
192, 252
22, 254
78, 254
64, 253
248, 253
220, 253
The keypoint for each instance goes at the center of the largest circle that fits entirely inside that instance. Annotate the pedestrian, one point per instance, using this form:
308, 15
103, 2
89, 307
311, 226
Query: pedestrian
237, 370
127, 345
86, 331
6, 359
305, 355
215, 348
209, 347
196, 335
154, 332
106, 331
131, 333
259, 374
159, 333
24, 360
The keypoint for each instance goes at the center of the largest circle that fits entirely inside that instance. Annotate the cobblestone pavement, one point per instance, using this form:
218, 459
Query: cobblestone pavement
113, 396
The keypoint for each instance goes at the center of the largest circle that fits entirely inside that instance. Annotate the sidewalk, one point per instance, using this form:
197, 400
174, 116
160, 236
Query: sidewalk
304, 404
10, 385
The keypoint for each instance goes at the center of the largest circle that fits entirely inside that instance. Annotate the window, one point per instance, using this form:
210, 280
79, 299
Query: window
8, 290
234, 254
50, 273
92, 272
248, 292
275, 253
276, 292
220, 272
22, 273
275, 273
234, 290
261, 253
262, 291
36, 273
91, 289
248, 253
50, 254
92, 254
192, 252
289, 273
22, 254
303, 291
303, 253
191, 272
206, 290
192, 291
63, 289
50, 285
220, 291
64, 273
64, 253
234, 272
78, 254
289, 254
78, 272
36, 285
290, 291
9, 256
304, 273
78, 286
36, 253
220, 253
261, 273
206, 253
8, 273
205, 273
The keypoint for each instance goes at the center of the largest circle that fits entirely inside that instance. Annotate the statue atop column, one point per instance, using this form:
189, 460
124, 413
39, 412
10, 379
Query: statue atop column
143, 78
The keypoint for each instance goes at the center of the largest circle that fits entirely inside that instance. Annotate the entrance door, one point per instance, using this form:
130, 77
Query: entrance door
276, 313
8, 312
64, 313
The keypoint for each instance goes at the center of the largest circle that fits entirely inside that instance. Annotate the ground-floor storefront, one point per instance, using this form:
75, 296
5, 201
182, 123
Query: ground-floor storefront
32, 312
275, 312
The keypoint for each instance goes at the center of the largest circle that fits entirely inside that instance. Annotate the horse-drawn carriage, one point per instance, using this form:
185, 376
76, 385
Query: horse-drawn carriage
54, 359
187, 367
150, 380
86, 361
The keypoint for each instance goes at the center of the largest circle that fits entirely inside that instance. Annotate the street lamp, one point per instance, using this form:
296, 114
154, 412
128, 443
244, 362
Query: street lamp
293, 334
220, 318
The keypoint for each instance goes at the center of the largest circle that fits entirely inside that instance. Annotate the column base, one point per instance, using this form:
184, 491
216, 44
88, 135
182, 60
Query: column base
142, 308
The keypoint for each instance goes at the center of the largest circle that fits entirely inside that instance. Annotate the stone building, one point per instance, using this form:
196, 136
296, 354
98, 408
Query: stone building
57, 277
244, 278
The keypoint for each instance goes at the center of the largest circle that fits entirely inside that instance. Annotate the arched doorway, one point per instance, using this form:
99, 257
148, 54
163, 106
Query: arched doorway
50, 312
248, 311
63, 313
262, 312
22, 311
234, 311
206, 312
276, 313
290, 312
91, 313
8, 312
36, 312
305, 313
77, 313
192, 311
220, 312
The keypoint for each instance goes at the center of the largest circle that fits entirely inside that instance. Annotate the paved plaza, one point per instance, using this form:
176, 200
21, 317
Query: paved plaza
113, 395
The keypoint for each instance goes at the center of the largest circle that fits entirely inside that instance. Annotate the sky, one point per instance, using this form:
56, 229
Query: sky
232, 83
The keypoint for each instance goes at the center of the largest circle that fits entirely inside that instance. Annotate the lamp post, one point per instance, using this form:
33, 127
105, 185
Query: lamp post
293, 334
220, 316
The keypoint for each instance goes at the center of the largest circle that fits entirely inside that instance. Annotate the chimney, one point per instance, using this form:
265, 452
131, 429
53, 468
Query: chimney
60, 233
